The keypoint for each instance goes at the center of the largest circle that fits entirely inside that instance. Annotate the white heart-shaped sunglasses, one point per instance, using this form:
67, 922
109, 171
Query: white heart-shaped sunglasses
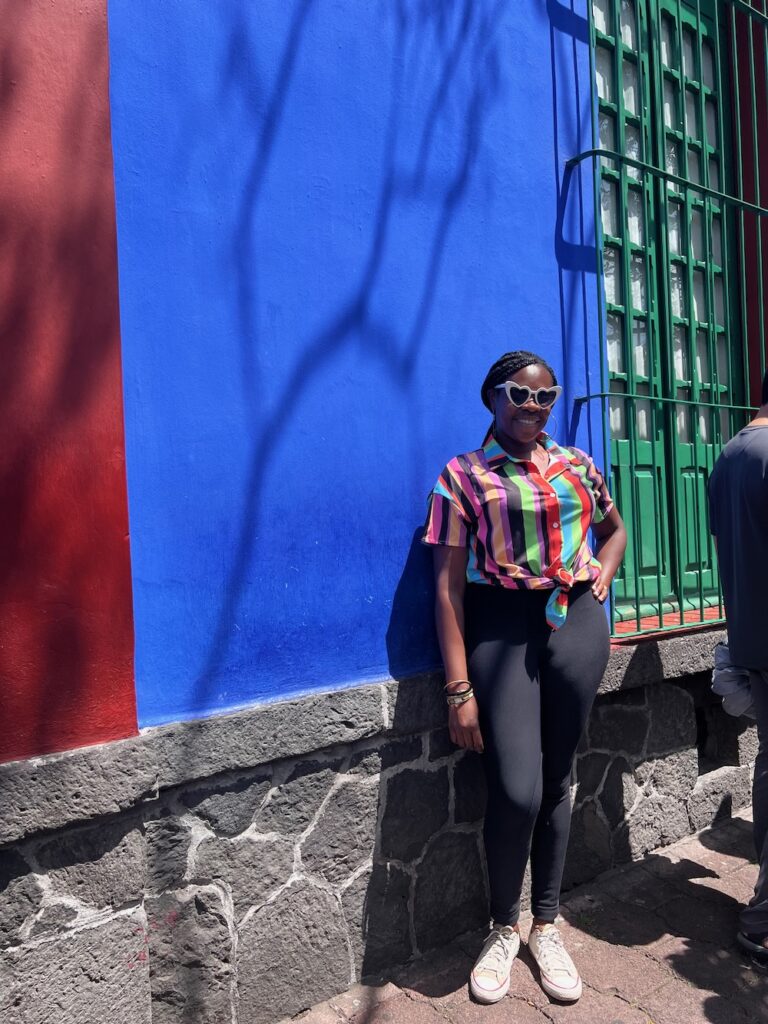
519, 394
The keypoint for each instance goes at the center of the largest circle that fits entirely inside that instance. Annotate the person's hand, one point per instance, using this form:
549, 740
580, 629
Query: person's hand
601, 587
464, 726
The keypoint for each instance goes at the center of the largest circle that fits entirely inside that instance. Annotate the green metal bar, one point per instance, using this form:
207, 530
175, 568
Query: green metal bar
671, 401
664, 303
740, 181
725, 217
658, 172
601, 314
749, 10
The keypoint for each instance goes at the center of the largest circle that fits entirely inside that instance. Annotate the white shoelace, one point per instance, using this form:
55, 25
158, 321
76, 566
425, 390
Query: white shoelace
552, 954
496, 954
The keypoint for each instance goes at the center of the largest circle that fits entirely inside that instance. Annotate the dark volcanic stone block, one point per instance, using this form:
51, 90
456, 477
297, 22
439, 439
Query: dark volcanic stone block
345, 832
416, 808
450, 896
19, 894
228, 809
619, 791
303, 926
376, 910
673, 719
190, 956
470, 792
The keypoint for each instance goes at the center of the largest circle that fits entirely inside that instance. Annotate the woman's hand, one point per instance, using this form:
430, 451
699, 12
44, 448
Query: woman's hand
601, 587
464, 726
611, 537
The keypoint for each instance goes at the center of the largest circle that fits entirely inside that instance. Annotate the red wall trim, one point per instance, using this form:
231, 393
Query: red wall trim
66, 631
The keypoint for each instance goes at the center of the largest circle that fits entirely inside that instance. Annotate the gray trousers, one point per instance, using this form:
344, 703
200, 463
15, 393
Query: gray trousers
753, 919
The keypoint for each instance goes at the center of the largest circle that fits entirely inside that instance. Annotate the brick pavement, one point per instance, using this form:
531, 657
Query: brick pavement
653, 941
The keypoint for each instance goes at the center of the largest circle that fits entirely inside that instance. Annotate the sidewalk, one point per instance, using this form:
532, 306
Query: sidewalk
654, 942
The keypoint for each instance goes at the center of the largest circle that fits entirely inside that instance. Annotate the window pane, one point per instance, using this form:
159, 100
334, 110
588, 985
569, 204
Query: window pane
615, 344
611, 271
670, 104
632, 149
607, 131
717, 241
702, 357
704, 418
719, 300
677, 288
640, 348
672, 155
723, 375
643, 414
697, 232
668, 42
604, 72
628, 24
714, 174
682, 371
637, 268
689, 61
700, 296
694, 166
691, 115
609, 203
601, 12
617, 412
711, 110
635, 216
674, 222
708, 66
683, 418
725, 426
631, 87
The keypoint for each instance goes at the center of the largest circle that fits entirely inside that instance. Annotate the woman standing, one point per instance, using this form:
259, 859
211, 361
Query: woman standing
524, 642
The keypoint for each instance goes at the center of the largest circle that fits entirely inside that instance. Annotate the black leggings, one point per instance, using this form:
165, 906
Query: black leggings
534, 688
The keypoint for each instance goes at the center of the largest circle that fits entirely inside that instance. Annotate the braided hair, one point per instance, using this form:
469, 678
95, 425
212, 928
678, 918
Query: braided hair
507, 366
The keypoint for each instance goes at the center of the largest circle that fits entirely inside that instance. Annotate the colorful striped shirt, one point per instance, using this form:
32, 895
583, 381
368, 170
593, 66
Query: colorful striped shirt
524, 529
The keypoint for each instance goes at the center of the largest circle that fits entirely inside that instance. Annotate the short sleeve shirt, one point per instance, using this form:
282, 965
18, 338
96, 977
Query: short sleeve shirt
523, 528
738, 517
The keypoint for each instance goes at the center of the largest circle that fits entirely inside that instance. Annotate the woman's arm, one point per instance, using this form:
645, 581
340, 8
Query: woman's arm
450, 581
611, 537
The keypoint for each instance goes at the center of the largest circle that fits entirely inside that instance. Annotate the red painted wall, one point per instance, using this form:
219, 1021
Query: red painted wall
66, 633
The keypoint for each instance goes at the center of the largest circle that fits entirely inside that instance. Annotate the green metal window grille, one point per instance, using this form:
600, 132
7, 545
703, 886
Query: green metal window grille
680, 93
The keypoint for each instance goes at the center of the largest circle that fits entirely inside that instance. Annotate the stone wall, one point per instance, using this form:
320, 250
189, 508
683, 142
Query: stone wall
176, 877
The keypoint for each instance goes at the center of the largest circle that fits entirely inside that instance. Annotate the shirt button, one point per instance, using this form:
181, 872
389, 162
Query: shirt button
556, 526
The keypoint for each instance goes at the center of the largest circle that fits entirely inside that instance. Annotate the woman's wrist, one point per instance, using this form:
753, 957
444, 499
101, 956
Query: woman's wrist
456, 685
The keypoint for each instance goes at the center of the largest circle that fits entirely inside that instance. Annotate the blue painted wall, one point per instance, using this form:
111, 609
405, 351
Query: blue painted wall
332, 217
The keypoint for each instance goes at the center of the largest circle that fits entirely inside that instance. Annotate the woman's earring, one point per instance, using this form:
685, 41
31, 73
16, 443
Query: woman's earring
552, 430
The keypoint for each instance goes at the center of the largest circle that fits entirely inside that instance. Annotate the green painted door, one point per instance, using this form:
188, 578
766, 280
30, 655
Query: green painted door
662, 88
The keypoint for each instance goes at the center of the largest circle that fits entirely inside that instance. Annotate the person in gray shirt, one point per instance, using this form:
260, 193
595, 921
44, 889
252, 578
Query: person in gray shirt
738, 519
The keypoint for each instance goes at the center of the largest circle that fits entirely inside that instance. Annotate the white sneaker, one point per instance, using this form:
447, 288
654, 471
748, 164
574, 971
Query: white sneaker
489, 980
559, 977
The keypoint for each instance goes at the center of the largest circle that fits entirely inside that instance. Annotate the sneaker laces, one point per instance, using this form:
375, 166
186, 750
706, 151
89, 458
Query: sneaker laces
496, 952
552, 954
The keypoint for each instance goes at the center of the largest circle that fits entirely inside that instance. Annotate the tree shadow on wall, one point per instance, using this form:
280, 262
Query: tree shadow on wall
64, 565
463, 87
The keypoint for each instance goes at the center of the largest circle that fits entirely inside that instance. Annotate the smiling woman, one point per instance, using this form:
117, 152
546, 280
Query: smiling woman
524, 643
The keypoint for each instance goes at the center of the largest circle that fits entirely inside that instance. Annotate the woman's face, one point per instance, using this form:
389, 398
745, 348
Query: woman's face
521, 424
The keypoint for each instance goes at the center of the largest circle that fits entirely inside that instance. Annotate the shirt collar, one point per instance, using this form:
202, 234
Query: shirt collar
496, 456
